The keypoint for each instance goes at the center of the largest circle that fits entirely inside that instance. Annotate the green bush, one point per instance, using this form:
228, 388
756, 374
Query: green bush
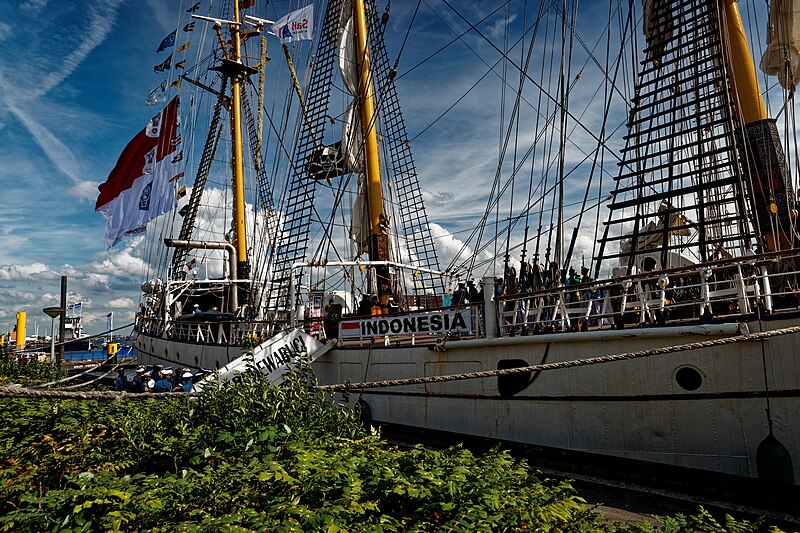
29, 374
249, 456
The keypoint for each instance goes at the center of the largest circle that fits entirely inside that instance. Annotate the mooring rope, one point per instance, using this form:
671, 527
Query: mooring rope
74, 376
563, 364
95, 380
22, 392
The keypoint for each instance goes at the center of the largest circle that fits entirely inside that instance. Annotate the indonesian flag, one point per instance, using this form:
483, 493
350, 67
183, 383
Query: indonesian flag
139, 188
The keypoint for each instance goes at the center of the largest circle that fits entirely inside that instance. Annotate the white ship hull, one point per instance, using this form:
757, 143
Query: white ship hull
634, 409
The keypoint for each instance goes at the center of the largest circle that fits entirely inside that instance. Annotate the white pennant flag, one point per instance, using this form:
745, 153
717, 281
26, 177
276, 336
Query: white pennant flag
296, 26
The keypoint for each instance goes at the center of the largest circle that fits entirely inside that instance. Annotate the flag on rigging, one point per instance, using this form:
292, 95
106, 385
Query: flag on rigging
183, 47
166, 65
189, 27
110, 321
295, 26
191, 264
167, 42
194, 8
138, 189
244, 4
181, 64
159, 94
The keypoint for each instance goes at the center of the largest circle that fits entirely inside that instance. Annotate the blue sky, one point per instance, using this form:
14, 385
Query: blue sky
73, 81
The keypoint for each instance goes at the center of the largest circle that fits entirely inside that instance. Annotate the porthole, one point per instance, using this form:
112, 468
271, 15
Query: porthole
196, 361
166, 354
688, 378
178, 356
216, 363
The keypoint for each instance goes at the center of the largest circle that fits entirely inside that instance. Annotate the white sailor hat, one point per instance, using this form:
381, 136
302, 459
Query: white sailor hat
167, 371
187, 375
139, 370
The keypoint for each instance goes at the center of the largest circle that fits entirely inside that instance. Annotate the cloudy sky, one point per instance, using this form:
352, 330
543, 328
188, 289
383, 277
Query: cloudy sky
73, 81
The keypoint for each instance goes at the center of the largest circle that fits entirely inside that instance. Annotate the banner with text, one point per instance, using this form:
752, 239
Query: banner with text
432, 323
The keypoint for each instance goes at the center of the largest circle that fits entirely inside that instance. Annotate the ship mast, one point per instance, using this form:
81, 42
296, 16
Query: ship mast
243, 266
379, 239
764, 155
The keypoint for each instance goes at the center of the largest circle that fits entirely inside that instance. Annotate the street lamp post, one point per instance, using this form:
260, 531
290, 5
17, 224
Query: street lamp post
53, 313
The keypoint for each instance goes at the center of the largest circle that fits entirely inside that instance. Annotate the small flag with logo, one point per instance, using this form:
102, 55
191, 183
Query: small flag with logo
167, 42
164, 66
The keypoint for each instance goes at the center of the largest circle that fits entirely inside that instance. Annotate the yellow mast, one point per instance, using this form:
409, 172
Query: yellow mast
379, 240
743, 78
765, 158
238, 168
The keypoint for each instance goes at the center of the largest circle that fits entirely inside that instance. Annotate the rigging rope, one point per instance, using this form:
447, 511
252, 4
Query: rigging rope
299, 92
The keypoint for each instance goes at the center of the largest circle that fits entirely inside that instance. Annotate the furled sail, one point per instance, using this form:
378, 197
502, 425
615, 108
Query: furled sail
352, 140
658, 24
782, 56
652, 235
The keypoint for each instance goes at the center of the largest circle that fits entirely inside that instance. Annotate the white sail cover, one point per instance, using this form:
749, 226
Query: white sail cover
359, 220
347, 58
782, 56
352, 140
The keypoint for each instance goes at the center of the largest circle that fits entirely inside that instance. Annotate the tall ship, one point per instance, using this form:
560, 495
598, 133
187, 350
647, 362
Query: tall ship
626, 285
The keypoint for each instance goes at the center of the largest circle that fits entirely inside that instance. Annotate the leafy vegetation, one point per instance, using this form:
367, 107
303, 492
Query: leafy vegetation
29, 374
248, 456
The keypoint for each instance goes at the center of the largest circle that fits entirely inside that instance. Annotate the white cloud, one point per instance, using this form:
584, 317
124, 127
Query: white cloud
96, 282
84, 190
26, 272
60, 155
5, 31
33, 7
121, 303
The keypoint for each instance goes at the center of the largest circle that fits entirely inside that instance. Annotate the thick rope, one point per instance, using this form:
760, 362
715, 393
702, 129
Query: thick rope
261, 79
299, 91
564, 364
22, 392
95, 380
70, 378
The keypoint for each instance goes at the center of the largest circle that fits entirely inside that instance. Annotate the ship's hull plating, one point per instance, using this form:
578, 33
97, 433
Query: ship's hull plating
704, 408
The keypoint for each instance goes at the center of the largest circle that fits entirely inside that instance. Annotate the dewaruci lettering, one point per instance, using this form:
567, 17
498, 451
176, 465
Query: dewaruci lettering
283, 356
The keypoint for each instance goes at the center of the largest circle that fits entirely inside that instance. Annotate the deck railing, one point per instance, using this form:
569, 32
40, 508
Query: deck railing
729, 289
736, 287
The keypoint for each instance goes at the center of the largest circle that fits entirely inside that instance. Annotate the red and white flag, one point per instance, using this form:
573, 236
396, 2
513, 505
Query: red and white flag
140, 187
